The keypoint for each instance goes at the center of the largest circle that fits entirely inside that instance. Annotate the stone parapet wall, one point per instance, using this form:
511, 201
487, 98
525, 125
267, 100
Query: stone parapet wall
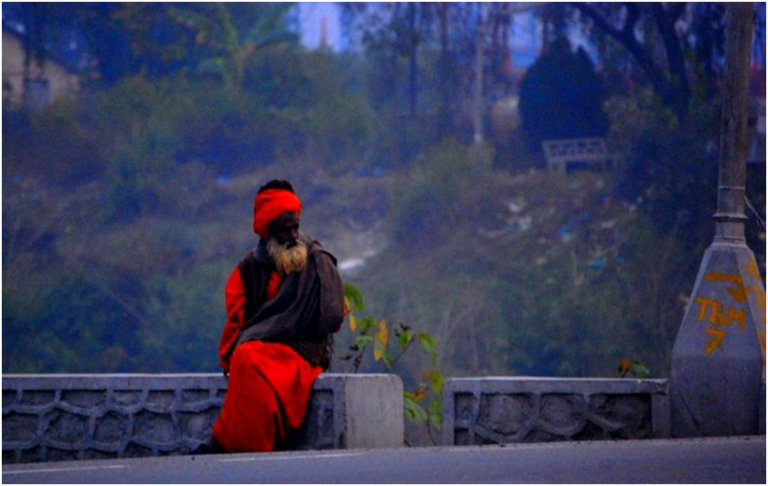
71, 417
67, 417
506, 410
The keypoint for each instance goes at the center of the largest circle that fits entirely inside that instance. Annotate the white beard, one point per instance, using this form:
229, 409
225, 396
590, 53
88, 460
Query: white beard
287, 260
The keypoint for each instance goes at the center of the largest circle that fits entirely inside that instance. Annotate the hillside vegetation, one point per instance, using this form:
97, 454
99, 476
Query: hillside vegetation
125, 211
529, 273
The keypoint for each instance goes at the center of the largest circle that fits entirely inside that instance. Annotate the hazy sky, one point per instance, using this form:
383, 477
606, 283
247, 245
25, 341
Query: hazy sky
311, 15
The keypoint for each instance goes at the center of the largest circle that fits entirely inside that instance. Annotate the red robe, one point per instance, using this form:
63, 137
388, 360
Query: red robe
269, 383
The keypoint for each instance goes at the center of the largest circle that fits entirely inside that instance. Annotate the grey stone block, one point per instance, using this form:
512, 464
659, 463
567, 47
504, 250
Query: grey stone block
354, 411
499, 410
373, 410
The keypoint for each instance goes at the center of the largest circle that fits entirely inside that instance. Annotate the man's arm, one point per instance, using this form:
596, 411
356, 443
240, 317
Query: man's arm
332, 311
234, 301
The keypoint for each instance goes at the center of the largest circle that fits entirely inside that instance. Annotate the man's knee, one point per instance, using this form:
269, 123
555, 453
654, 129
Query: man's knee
240, 357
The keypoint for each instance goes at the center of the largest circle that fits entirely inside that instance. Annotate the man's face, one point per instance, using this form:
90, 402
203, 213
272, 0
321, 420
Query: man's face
285, 229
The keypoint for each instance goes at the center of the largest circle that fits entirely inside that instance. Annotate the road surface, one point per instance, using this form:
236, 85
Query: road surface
721, 460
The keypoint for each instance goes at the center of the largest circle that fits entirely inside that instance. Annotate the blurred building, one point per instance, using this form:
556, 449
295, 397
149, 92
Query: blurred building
319, 25
33, 84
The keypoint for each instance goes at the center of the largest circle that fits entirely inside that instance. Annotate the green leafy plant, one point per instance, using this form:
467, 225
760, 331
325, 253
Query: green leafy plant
633, 367
388, 345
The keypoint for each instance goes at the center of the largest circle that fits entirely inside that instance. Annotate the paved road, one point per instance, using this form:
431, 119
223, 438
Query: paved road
732, 460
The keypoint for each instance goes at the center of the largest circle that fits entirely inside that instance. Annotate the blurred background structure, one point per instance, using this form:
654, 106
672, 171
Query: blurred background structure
136, 134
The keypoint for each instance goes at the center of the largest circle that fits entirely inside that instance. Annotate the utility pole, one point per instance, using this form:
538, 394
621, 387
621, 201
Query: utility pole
718, 360
479, 62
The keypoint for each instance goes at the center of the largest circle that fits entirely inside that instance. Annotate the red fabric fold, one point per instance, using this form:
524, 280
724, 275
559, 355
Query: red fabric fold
267, 398
234, 302
269, 383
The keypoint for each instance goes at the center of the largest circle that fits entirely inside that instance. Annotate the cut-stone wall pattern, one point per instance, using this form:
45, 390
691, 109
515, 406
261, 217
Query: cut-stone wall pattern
74, 417
68, 417
506, 410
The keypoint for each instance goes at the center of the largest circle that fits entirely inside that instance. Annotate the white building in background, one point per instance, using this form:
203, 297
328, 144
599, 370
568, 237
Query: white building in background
320, 25
44, 83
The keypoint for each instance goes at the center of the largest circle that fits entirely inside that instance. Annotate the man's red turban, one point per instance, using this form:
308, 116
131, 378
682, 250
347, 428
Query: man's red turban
270, 205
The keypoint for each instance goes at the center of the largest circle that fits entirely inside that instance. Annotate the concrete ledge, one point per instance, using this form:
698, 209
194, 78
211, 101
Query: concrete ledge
70, 417
352, 411
499, 410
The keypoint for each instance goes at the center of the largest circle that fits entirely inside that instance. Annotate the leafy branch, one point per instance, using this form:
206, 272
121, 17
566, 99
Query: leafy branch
376, 334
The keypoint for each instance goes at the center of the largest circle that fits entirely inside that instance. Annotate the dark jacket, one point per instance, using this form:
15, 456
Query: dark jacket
308, 307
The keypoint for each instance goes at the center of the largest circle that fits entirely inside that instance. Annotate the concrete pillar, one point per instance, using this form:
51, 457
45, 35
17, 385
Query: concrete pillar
718, 361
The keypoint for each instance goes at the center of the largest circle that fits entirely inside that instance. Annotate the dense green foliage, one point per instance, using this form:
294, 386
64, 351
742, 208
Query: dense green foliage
117, 210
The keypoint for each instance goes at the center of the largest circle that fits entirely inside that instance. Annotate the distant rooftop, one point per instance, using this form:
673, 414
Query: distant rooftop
66, 52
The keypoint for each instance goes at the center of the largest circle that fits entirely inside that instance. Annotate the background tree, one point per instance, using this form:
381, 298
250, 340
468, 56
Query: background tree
231, 48
661, 39
423, 69
561, 96
108, 47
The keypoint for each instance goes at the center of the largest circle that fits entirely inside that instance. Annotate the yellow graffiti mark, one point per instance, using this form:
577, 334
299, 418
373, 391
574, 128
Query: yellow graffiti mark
736, 315
757, 289
761, 337
714, 343
717, 316
739, 293
704, 304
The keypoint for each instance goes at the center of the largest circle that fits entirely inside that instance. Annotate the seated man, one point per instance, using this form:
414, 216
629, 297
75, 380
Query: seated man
283, 300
